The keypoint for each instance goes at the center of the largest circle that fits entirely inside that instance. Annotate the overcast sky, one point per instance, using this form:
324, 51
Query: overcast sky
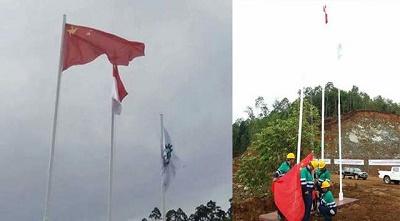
279, 44
186, 74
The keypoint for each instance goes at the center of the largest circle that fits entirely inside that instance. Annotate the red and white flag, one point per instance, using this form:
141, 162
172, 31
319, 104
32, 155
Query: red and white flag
118, 91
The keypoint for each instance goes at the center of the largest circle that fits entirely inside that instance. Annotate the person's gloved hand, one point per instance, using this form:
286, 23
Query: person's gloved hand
332, 212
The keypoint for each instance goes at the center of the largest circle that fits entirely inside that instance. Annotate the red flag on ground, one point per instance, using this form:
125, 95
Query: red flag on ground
119, 92
287, 192
83, 44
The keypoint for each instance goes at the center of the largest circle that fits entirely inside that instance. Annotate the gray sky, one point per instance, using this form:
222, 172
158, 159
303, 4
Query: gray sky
186, 74
279, 44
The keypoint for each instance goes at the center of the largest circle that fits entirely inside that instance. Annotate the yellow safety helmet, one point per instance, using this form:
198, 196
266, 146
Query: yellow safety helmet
314, 163
290, 156
325, 184
322, 164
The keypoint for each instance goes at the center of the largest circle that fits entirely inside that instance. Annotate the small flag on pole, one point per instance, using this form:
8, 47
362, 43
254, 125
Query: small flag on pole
339, 51
326, 14
168, 159
118, 91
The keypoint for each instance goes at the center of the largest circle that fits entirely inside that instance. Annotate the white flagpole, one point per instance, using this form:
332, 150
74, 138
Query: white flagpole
55, 118
300, 125
323, 124
111, 164
340, 148
162, 178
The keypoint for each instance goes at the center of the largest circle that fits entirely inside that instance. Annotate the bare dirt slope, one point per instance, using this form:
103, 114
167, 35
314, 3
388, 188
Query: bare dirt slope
365, 135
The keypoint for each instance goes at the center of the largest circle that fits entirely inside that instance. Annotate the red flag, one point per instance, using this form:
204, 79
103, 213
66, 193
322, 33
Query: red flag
119, 91
287, 192
83, 44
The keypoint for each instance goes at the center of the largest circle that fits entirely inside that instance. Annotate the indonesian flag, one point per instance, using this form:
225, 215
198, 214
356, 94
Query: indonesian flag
83, 44
118, 91
287, 192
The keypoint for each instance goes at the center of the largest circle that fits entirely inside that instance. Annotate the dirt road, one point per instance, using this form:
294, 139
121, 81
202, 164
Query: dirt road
377, 200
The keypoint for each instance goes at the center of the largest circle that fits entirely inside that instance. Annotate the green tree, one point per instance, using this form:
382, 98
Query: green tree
155, 214
278, 138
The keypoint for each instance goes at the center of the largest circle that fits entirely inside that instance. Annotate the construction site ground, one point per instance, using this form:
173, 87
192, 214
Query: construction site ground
377, 201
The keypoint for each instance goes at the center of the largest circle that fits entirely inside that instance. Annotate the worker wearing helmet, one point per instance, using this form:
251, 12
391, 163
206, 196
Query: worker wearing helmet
322, 174
282, 170
327, 206
307, 186
285, 166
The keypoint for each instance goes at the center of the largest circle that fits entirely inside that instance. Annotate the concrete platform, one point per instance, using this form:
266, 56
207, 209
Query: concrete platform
273, 216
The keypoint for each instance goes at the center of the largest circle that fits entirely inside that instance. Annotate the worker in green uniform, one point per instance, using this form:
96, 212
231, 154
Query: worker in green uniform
327, 206
282, 170
307, 186
285, 166
321, 174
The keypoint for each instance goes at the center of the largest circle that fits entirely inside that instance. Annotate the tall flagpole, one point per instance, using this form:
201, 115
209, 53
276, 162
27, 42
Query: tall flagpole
111, 164
162, 178
340, 149
55, 118
300, 125
323, 124
340, 134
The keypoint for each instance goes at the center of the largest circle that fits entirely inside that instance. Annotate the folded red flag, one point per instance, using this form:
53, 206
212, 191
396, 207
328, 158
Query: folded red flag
287, 192
83, 44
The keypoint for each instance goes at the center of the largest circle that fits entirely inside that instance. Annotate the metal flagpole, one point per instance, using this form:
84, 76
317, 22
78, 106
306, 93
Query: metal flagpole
162, 177
340, 133
55, 117
323, 124
111, 164
300, 125
340, 148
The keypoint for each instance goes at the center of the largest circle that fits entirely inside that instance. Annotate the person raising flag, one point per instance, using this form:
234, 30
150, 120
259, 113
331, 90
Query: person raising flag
281, 171
307, 186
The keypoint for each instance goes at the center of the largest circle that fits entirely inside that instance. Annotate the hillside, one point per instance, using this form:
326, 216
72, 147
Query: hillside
365, 135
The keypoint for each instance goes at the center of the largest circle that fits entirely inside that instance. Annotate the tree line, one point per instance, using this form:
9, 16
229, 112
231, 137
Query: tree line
244, 130
269, 134
208, 212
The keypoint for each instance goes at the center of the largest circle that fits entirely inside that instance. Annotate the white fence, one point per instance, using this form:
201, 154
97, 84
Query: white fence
386, 162
375, 162
349, 161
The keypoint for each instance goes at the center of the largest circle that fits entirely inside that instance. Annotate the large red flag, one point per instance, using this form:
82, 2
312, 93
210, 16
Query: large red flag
83, 44
287, 192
